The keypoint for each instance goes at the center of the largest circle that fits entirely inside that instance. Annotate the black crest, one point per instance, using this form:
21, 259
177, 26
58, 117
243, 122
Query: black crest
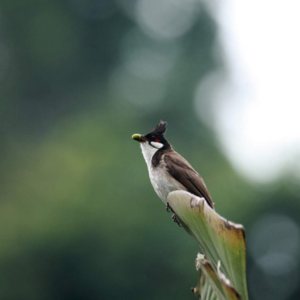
160, 128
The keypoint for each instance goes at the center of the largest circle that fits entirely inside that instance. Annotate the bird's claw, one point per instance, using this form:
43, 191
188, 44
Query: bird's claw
175, 219
169, 208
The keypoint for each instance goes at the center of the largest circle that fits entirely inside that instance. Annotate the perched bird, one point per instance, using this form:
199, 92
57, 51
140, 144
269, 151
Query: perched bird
168, 170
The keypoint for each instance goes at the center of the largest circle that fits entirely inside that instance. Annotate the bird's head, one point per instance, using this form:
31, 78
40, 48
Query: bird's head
155, 138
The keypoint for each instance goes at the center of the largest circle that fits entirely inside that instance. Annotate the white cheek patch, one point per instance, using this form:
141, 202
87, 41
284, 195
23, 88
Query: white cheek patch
157, 145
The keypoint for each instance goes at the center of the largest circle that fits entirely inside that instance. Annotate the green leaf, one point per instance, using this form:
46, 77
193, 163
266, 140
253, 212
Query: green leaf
213, 285
219, 240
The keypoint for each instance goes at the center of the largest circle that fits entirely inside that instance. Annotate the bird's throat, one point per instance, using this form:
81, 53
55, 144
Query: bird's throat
148, 153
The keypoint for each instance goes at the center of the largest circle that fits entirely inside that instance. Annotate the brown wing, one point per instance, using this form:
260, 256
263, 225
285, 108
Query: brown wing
182, 171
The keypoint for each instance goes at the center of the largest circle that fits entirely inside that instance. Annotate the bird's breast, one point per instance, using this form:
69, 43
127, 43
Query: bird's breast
163, 183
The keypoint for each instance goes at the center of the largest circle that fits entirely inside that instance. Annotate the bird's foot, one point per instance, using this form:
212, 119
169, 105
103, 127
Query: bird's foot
169, 208
175, 219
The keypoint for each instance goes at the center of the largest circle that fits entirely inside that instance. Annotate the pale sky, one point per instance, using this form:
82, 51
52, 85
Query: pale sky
257, 107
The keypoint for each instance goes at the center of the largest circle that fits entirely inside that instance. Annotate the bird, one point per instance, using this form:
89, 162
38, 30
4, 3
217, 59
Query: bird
168, 170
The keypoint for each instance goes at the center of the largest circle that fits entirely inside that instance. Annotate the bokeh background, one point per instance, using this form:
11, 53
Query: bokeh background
78, 216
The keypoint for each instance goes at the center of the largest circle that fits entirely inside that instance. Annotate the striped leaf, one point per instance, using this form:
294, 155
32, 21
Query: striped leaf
222, 243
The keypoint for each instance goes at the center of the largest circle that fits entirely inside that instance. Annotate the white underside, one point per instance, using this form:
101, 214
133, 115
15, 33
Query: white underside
148, 152
162, 182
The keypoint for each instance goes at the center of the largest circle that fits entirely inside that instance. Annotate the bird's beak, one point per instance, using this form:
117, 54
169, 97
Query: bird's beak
139, 138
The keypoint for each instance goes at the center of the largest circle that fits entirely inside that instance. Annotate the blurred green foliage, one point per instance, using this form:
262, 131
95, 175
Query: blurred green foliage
79, 218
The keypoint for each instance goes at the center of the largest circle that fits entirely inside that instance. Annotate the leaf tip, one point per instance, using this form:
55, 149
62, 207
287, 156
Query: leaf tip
199, 258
